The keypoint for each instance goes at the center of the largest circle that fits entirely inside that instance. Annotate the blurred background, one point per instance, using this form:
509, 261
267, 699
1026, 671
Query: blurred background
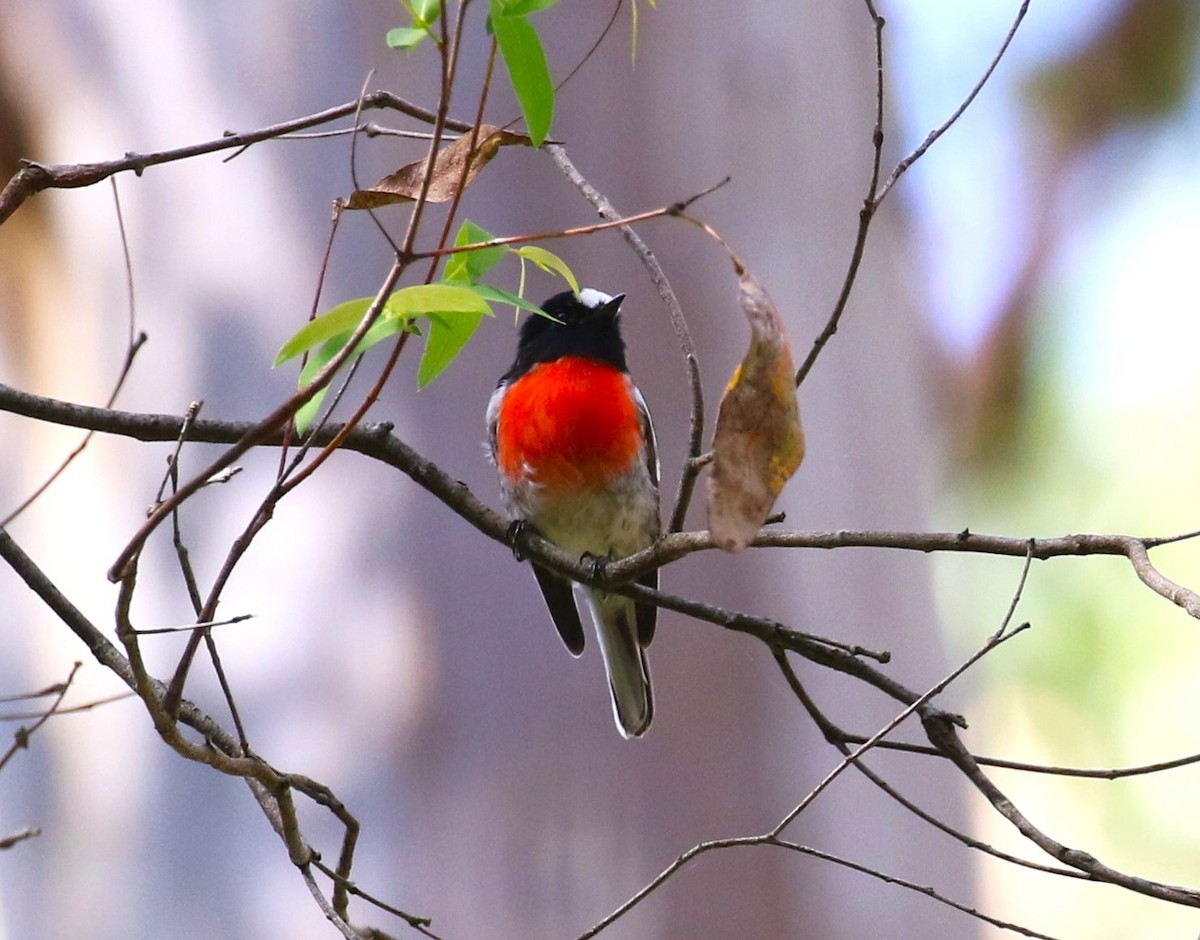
1016, 358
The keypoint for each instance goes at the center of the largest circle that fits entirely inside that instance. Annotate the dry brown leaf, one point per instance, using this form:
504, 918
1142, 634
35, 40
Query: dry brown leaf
405, 184
758, 443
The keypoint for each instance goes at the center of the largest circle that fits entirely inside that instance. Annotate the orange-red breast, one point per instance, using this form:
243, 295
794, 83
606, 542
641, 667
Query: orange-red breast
572, 440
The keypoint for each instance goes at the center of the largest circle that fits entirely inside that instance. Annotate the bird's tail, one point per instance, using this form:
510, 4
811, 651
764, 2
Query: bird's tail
624, 662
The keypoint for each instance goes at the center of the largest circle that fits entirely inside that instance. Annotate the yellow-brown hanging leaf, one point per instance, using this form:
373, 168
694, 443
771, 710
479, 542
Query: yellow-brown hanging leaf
758, 443
405, 184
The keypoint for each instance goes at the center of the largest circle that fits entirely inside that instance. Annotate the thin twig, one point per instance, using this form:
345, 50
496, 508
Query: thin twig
619, 222
865, 214
21, 738
366, 128
33, 178
993, 641
945, 738
206, 625
926, 890
675, 311
839, 739
273, 424
876, 193
72, 710
420, 924
326, 908
29, 832
937, 132
135, 342
1086, 773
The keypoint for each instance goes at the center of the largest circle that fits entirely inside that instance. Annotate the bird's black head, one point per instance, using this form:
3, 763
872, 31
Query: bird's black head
584, 324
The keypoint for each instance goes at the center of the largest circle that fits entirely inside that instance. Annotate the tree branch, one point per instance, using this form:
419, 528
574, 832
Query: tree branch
33, 178
377, 442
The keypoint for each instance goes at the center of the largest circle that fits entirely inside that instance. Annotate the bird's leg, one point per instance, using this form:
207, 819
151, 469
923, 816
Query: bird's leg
597, 564
519, 530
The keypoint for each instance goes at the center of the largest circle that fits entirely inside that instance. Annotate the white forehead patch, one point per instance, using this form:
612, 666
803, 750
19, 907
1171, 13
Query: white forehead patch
592, 298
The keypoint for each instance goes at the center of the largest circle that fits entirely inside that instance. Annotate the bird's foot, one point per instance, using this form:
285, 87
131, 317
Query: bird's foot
597, 564
518, 529
517, 532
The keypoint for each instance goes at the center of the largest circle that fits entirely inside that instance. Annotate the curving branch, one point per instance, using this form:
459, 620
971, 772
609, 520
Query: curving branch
683, 334
217, 748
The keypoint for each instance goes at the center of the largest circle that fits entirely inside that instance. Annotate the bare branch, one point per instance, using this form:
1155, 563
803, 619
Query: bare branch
839, 739
618, 222
30, 832
943, 736
22, 736
1000, 636
937, 132
377, 442
34, 177
683, 334
219, 749
135, 342
926, 890
865, 214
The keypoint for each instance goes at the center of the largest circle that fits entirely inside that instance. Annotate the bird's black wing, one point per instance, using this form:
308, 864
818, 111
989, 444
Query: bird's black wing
561, 601
647, 614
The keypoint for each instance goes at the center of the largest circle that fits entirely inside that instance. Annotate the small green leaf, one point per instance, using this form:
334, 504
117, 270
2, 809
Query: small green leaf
470, 266
454, 312
424, 14
549, 262
527, 70
404, 37
498, 295
427, 11
523, 7
423, 299
340, 319
319, 358
446, 339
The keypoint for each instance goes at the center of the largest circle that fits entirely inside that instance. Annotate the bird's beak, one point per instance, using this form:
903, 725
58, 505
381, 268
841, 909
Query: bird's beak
610, 309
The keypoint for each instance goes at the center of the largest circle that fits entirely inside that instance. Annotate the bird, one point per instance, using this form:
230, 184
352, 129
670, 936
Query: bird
574, 447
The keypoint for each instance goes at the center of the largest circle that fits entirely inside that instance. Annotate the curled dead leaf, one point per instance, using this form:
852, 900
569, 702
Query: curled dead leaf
405, 184
758, 442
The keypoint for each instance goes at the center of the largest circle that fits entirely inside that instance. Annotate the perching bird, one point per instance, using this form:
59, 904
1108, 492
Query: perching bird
572, 440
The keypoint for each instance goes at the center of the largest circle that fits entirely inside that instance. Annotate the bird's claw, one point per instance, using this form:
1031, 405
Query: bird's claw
597, 565
516, 531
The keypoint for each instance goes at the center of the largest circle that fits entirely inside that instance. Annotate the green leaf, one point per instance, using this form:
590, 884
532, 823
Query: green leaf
454, 312
446, 339
424, 14
523, 7
470, 266
424, 299
549, 262
527, 70
383, 328
342, 318
404, 37
426, 11
500, 296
